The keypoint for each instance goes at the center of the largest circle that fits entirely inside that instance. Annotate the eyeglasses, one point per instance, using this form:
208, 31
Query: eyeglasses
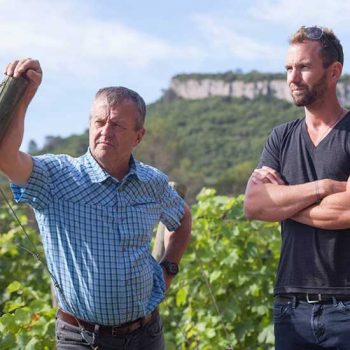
317, 33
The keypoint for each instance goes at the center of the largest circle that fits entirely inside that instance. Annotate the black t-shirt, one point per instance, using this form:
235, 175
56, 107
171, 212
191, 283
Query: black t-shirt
312, 260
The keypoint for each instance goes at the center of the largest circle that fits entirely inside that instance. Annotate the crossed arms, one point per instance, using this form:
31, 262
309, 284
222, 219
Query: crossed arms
323, 203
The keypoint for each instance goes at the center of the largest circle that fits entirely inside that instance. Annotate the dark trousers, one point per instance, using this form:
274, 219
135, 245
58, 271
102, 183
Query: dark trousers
148, 337
303, 326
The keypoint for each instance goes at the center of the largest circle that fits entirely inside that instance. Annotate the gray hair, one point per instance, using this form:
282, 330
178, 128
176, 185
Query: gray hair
117, 94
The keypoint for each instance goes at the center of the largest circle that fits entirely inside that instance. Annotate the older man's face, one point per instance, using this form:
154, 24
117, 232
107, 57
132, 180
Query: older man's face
113, 134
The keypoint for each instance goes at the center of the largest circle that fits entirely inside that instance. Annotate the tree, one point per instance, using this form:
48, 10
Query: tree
32, 147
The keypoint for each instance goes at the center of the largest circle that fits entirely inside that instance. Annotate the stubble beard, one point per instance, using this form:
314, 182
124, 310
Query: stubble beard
311, 93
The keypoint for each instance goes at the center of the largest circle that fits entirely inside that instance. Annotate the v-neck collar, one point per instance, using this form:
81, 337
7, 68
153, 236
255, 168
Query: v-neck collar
307, 137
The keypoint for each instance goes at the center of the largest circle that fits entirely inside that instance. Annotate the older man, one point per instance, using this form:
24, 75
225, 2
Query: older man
301, 181
96, 215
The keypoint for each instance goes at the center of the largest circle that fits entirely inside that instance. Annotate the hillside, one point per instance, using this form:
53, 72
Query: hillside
215, 142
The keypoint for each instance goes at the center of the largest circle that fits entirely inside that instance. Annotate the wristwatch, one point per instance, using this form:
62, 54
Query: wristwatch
171, 268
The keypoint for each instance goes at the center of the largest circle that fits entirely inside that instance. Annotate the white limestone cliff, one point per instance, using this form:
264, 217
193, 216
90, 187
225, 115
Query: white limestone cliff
203, 88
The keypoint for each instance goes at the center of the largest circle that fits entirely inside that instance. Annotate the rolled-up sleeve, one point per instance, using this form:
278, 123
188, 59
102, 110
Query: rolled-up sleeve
173, 207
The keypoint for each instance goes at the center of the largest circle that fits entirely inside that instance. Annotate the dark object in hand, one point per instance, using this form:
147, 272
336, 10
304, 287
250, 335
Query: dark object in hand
11, 91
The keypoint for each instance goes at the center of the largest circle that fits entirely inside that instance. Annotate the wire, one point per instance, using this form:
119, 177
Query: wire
36, 254
206, 279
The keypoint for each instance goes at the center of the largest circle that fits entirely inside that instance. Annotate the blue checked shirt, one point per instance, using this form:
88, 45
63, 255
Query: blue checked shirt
96, 233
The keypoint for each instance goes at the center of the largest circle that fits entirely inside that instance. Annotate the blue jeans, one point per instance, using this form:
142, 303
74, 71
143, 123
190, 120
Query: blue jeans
303, 326
148, 337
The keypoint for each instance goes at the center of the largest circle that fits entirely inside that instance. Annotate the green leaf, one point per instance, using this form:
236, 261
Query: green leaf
266, 336
8, 324
14, 305
214, 275
211, 333
181, 296
14, 287
32, 345
8, 342
22, 316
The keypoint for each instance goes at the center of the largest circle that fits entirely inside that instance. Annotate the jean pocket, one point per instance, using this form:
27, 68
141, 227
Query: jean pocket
344, 306
281, 311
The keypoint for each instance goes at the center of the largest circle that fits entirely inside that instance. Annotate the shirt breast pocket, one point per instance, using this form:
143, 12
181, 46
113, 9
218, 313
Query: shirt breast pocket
140, 218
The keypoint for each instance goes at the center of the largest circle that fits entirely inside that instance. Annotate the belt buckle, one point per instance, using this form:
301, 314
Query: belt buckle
310, 301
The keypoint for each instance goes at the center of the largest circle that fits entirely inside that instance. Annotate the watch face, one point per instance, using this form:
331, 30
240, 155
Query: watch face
173, 269
170, 267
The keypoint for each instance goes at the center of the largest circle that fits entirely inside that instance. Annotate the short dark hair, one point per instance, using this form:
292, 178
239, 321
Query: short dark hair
117, 94
331, 51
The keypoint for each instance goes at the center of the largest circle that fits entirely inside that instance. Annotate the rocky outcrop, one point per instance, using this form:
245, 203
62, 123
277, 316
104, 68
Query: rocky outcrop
203, 88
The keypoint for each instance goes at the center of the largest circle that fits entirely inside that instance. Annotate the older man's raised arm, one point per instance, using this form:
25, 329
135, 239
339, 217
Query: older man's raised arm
15, 164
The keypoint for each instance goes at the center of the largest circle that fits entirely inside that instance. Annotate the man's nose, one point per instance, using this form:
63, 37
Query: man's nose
106, 129
294, 76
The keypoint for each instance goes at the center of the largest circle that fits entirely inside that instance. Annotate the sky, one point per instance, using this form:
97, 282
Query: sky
84, 45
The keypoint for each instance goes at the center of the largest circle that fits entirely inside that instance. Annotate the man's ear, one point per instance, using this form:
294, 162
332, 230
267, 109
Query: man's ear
336, 70
140, 135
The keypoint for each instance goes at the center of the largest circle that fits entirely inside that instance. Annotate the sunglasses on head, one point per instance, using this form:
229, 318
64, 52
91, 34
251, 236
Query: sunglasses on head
317, 33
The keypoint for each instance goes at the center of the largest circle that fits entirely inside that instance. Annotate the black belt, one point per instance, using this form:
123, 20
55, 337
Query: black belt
312, 298
122, 329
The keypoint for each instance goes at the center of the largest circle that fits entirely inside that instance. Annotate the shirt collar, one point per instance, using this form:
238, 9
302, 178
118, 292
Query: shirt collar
136, 169
98, 174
